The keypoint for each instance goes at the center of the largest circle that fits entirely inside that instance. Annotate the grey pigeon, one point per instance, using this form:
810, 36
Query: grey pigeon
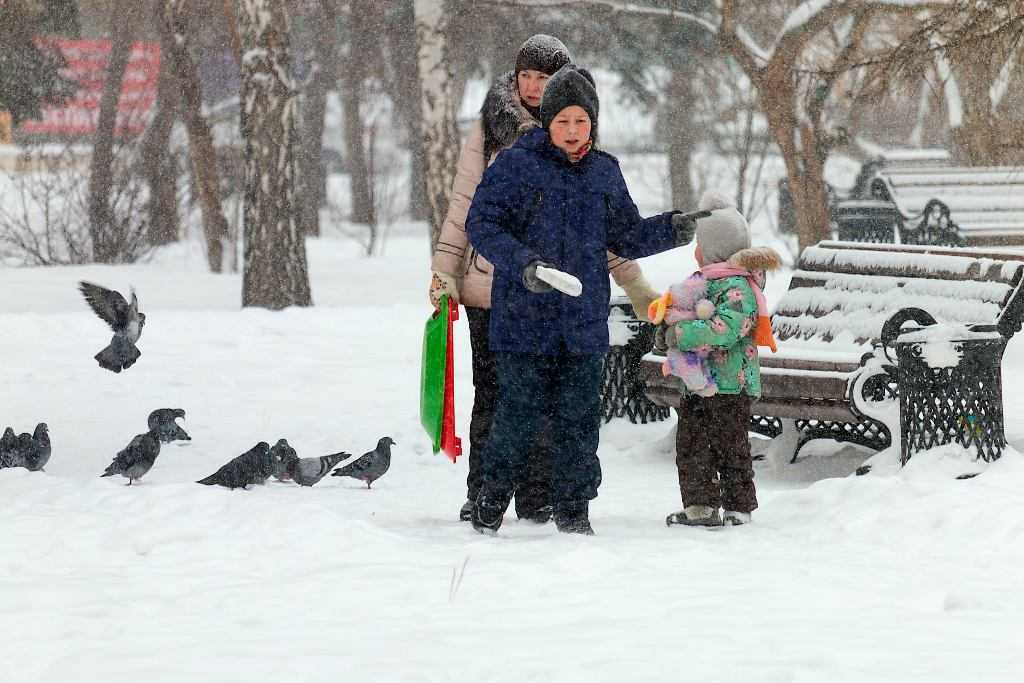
280, 455
124, 319
31, 451
251, 467
371, 466
162, 421
136, 459
308, 471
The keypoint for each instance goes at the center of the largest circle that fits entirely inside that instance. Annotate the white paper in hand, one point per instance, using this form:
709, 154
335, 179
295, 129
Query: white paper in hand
563, 282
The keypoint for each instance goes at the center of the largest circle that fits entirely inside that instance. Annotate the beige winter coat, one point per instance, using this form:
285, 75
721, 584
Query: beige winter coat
456, 256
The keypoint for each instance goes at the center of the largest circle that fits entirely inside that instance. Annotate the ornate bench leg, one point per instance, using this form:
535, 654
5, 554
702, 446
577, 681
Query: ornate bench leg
785, 446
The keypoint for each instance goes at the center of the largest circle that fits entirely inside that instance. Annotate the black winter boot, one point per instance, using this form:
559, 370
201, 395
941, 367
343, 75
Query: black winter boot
541, 515
574, 518
489, 510
466, 511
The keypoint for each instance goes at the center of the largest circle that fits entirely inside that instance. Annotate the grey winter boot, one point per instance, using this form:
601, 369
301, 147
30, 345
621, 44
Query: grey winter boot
731, 518
695, 515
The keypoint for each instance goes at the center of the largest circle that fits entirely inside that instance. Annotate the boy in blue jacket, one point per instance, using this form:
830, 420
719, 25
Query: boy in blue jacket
554, 201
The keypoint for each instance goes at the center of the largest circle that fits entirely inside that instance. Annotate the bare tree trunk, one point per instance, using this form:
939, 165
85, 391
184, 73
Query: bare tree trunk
174, 38
325, 74
440, 135
681, 146
275, 274
106, 240
157, 161
351, 99
404, 89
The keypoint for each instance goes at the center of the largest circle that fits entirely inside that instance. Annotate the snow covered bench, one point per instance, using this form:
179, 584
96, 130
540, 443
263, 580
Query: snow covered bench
830, 378
955, 206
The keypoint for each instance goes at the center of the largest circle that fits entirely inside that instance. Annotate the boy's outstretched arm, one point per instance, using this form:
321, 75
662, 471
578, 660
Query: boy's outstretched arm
633, 236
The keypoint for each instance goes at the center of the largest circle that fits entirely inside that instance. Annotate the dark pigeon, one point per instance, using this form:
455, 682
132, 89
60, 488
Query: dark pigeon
371, 466
281, 454
309, 471
31, 451
124, 319
162, 421
251, 467
136, 459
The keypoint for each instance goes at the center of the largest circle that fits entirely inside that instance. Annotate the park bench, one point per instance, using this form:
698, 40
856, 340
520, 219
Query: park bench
942, 205
830, 377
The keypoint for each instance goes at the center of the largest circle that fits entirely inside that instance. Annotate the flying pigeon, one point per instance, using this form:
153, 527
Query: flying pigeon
308, 471
371, 466
136, 459
162, 421
124, 319
251, 467
31, 451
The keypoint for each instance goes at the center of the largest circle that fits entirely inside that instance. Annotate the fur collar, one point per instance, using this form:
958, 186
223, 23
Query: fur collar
757, 258
504, 117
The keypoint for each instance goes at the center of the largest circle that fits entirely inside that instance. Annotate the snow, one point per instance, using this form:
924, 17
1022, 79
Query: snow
897, 575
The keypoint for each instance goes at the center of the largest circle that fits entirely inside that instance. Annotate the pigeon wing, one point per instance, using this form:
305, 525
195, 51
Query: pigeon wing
109, 305
356, 467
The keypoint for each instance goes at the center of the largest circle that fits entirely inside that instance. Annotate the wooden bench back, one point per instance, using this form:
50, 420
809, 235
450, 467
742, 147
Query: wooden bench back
987, 203
843, 292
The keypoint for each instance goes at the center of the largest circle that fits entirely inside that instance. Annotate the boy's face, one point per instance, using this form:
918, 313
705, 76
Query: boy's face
531, 86
570, 129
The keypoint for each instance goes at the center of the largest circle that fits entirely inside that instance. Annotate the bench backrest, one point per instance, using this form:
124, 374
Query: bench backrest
843, 292
985, 202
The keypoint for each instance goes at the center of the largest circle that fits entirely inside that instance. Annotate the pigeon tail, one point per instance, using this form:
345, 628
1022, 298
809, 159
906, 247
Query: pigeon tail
121, 354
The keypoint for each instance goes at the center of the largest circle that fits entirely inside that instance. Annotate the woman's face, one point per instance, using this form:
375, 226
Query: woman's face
531, 86
570, 129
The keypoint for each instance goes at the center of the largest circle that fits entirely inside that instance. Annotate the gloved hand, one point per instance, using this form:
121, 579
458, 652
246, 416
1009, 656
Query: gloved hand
534, 283
685, 225
441, 284
640, 294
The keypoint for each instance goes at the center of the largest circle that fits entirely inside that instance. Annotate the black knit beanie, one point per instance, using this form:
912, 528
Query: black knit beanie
543, 53
570, 85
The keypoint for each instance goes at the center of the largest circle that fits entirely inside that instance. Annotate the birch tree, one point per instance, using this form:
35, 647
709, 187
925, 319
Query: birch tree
275, 274
437, 102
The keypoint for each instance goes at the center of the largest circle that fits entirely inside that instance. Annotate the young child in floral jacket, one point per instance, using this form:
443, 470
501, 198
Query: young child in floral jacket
712, 446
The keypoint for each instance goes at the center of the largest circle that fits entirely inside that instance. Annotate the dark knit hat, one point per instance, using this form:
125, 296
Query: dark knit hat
543, 53
570, 85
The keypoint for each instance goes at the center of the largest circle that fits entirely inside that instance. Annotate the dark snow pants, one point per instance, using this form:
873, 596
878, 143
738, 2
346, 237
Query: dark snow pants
572, 384
535, 491
713, 453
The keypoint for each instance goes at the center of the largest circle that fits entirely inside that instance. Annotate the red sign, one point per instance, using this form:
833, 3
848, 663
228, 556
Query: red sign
87, 66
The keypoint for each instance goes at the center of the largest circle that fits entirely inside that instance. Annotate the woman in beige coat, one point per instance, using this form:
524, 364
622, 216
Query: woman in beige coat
511, 107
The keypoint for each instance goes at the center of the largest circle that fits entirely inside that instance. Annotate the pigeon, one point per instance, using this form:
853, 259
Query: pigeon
136, 459
31, 451
308, 471
281, 454
251, 467
162, 421
124, 318
371, 466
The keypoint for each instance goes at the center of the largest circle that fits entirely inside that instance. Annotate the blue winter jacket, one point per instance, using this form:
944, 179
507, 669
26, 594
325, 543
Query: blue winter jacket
533, 204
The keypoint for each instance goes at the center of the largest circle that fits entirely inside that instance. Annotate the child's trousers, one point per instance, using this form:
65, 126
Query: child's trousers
713, 452
573, 382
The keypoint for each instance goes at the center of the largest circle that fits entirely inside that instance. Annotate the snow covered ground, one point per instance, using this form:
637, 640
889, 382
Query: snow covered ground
895, 576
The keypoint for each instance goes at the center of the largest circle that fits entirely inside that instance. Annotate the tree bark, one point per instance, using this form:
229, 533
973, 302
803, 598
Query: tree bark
325, 74
681, 146
275, 275
437, 101
157, 161
351, 100
404, 90
175, 41
107, 240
